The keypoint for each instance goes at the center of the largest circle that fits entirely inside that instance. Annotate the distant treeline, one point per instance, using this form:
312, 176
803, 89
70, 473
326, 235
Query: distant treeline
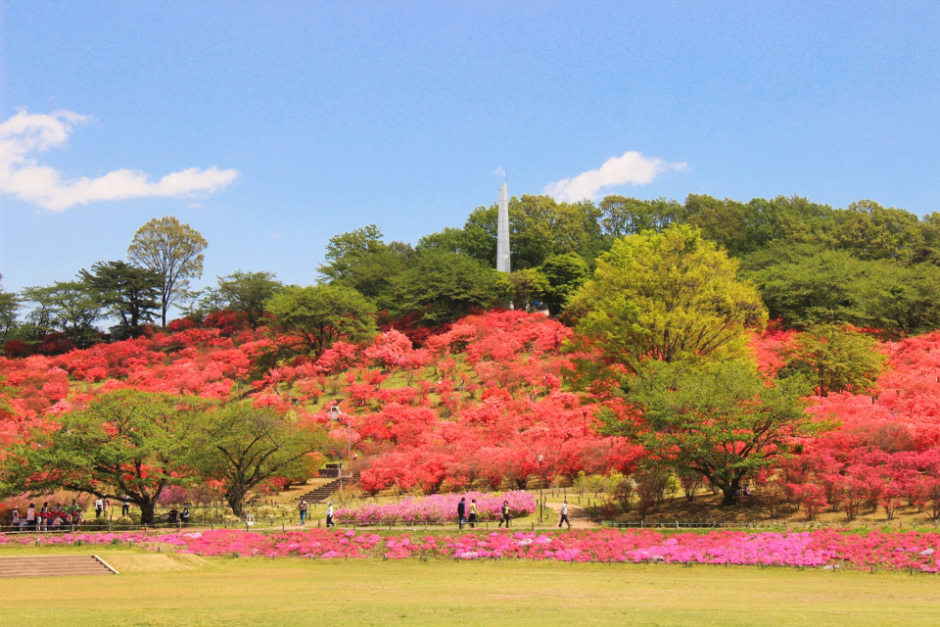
866, 265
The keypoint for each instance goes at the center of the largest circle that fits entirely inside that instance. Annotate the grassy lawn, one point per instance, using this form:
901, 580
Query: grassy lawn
169, 589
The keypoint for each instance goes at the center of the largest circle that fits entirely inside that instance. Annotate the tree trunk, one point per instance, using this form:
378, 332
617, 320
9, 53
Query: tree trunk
731, 492
236, 500
147, 509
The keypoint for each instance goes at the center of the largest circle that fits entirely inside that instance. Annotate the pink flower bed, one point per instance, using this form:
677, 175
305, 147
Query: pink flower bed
437, 508
821, 549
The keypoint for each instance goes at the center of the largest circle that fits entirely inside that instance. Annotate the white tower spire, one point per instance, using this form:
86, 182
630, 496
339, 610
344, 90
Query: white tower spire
502, 231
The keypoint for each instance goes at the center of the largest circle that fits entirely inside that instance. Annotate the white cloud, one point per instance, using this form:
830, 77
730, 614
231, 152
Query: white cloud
631, 168
23, 177
499, 171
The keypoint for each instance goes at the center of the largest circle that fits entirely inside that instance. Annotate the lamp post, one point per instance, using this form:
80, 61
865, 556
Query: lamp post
335, 414
540, 489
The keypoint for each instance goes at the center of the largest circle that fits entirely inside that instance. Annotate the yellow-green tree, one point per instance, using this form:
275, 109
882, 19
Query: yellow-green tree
669, 296
173, 250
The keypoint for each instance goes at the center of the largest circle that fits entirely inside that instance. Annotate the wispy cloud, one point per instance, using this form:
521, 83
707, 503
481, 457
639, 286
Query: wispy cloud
26, 134
499, 171
632, 168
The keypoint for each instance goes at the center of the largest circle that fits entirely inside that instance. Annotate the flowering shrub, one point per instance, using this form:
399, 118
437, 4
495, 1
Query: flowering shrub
818, 549
437, 508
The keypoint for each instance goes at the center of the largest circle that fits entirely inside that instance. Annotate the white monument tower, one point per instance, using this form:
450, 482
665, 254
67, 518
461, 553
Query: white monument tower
502, 231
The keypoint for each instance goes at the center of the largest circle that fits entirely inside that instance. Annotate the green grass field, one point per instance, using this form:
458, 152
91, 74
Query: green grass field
177, 590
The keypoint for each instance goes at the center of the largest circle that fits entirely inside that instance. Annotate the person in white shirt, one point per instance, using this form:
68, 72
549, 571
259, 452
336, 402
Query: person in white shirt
99, 508
329, 516
564, 515
31, 516
16, 518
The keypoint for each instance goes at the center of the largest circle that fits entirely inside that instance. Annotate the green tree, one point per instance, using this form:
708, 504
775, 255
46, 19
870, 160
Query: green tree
173, 250
445, 286
129, 292
70, 307
243, 447
247, 293
450, 240
742, 228
319, 315
123, 443
834, 359
538, 228
623, 216
361, 260
807, 285
9, 304
525, 287
565, 274
870, 231
671, 296
367, 239
723, 421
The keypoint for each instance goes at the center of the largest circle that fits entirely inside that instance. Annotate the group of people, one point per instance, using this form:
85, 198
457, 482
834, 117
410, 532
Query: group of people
302, 507
468, 515
174, 516
58, 516
47, 518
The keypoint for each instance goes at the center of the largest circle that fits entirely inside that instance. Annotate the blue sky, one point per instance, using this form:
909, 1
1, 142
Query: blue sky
312, 118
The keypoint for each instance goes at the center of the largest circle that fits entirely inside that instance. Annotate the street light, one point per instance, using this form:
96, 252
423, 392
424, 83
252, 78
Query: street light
540, 489
335, 413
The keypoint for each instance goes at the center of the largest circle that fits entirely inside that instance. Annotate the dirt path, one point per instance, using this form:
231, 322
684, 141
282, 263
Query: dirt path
577, 514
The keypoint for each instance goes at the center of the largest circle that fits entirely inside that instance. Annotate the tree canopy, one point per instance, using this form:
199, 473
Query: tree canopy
174, 251
243, 446
124, 443
129, 292
319, 315
670, 296
723, 421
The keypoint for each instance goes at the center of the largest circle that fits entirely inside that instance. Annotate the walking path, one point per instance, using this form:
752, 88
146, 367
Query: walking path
576, 514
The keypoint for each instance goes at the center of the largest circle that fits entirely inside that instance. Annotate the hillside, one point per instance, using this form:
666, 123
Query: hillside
481, 402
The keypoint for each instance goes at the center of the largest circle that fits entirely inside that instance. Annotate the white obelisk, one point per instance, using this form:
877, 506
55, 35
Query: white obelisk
502, 231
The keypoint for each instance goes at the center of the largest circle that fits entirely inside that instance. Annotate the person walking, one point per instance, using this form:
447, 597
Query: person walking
43, 517
472, 518
125, 506
564, 515
16, 518
505, 513
99, 507
76, 512
106, 507
31, 517
329, 516
184, 517
462, 512
303, 511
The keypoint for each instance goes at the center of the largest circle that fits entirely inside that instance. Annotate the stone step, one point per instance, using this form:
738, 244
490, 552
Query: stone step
53, 566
